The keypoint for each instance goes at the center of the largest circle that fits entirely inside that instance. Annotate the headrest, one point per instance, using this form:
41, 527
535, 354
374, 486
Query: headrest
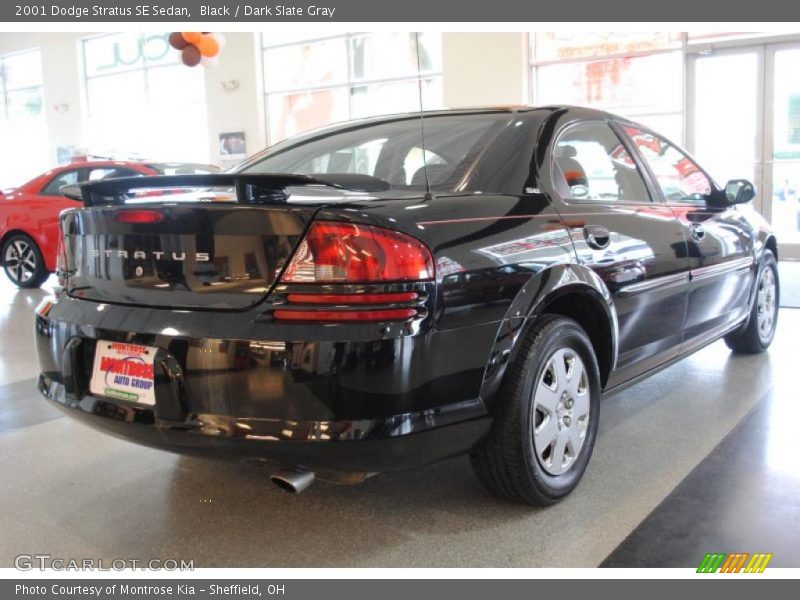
566, 152
436, 174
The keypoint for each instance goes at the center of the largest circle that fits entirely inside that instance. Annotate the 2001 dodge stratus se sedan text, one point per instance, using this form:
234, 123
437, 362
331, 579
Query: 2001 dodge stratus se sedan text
97, 10
372, 301
167, 10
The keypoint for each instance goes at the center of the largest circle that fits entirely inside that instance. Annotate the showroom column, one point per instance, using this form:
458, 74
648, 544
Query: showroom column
235, 103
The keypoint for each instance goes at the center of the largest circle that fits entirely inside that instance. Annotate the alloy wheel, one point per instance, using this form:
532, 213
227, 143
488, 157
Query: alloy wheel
20, 261
765, 304
561, 404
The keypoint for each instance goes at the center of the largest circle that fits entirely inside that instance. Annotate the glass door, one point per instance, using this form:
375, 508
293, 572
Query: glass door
783, 147
743, 121
724, 127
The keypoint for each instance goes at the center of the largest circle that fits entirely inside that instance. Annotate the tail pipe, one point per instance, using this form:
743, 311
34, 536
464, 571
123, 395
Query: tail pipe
292, 481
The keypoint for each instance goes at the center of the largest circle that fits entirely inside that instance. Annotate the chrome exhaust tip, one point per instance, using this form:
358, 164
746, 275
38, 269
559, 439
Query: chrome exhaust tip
292, 481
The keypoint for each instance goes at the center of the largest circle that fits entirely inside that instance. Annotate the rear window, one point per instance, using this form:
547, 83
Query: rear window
390, 151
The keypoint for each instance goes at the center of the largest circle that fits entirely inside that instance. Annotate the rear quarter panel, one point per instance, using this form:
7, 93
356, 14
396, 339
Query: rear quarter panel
495, 256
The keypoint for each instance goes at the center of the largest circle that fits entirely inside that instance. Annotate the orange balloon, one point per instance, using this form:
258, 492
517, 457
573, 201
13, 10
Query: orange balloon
208, 46
193, 37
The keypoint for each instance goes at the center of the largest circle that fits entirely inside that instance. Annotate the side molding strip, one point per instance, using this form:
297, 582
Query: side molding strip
739, 264
656, 282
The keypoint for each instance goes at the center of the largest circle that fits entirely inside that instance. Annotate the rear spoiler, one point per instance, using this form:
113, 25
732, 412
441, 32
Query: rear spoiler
250, 188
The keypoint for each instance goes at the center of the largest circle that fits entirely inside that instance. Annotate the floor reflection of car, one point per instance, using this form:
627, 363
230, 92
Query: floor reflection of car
29, 213
394, 312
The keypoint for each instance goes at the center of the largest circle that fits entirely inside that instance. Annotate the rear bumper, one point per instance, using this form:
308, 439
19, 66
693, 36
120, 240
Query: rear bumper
338, 446
328, 405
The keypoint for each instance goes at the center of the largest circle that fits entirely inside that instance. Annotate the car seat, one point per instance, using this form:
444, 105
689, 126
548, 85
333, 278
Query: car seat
437, 174
573, 171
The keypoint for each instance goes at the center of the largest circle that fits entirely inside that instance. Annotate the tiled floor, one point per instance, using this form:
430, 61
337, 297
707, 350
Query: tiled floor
744, 497
72, 492
789, 272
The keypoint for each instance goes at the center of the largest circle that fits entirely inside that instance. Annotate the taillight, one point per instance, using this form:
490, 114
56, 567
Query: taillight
62, 263
138, 216
346, 299
389, 314
333, 252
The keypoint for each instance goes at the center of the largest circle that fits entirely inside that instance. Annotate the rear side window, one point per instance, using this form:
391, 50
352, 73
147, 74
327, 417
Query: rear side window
591, 163
678, 176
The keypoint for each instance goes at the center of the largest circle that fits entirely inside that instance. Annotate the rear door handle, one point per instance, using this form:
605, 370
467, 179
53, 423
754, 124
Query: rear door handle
596, 236
698, 233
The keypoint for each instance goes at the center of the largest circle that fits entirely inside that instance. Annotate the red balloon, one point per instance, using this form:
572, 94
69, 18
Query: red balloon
176, 40
191, 56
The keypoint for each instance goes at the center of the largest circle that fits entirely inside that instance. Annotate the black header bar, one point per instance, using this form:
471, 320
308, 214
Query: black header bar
439, 11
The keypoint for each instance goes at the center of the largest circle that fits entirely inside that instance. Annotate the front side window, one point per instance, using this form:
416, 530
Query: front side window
678, 176
110, 173
591, 163
65, 178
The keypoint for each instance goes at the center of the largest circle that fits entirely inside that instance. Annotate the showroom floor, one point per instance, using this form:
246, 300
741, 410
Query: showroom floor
699, 458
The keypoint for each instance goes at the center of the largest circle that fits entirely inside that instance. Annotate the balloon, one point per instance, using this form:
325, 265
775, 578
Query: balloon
209, 62
191, 56
191, 37
208, 46
176, 40
220, 39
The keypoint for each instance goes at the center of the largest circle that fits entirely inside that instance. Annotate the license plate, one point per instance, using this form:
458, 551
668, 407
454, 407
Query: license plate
124, 371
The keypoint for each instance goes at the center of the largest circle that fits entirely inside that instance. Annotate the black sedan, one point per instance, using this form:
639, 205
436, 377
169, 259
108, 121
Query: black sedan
390, 292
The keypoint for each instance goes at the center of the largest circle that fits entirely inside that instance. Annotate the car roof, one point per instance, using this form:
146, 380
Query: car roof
500, 108
510, 109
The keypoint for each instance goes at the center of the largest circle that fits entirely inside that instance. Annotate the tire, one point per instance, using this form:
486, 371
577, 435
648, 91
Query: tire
759, 332
513, 461
23, 262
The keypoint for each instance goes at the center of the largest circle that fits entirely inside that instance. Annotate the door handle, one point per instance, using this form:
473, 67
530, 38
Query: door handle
698, 233
596, 236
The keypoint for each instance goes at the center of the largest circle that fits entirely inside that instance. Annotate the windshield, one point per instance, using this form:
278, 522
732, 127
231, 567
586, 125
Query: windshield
390, 151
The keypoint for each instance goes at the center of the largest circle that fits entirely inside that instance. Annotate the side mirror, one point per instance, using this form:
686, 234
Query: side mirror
739, 191
73, 192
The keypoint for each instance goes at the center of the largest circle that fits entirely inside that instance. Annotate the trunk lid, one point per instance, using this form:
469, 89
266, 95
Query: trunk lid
189, 242
211, 256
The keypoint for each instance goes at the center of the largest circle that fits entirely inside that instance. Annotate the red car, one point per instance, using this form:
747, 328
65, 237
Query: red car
29, 213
